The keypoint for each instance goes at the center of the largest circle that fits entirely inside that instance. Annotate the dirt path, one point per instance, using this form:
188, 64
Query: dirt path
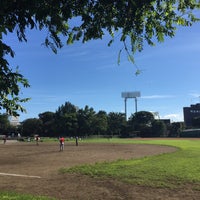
45, 160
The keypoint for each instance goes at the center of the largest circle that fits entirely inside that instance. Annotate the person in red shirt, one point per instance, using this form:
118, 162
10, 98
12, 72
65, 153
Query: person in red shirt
62, 142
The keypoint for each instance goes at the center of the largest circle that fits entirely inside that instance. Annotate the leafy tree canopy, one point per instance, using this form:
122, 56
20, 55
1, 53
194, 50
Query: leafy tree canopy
4, 123
133, 22
32, 126
142, 117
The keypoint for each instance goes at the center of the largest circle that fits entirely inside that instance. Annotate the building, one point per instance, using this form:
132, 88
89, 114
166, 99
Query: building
190, 113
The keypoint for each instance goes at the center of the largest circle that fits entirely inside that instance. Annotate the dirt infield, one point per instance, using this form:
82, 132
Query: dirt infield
31, 169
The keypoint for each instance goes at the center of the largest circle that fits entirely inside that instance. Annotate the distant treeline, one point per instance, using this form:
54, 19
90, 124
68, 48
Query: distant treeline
71, 121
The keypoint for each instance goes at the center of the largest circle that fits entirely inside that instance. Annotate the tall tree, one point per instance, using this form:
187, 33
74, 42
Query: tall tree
66, 119
158, 128
175, 129
4, 123
142, 122
31, 127
116, 123
142, 117
85, 120
100, 123
48, 123
133, 22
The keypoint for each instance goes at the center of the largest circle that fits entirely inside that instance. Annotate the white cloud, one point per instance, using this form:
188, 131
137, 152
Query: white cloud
157, 97
174, 117
195, 95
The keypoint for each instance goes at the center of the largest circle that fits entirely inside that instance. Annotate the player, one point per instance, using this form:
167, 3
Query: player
62, 142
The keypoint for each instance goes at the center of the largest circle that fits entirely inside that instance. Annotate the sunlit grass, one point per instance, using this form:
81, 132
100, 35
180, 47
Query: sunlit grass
165, 170
15, 196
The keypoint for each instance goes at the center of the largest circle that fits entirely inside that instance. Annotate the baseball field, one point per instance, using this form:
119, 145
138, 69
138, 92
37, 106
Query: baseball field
101, 169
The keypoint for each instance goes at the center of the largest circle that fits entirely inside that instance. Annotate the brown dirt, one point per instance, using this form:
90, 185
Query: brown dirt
45, 160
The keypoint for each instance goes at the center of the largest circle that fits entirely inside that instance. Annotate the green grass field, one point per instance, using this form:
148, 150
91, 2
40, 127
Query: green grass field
14, 196
166, 170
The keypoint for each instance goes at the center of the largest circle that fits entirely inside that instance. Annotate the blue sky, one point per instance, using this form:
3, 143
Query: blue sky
88, 74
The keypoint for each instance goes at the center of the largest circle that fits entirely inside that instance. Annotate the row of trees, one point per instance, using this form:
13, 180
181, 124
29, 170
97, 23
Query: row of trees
71, 121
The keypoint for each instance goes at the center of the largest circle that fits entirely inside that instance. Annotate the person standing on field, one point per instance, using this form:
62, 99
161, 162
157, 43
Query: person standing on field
4, 139
62, 142
76, 140
37, 138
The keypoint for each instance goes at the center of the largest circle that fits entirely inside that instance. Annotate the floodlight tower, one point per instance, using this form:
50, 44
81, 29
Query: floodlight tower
125, 100
127, 95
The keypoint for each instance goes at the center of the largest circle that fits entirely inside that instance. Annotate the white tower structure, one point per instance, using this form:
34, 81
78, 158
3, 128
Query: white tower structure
128, 95
14, 121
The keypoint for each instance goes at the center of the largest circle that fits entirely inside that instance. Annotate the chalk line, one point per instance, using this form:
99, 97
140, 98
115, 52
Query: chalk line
21, 175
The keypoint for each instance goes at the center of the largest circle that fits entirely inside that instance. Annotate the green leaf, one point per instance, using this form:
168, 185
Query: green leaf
119, 56
160, 37
181, 21
70, 39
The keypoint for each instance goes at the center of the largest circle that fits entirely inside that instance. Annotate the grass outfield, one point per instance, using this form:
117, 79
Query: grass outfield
167, 170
